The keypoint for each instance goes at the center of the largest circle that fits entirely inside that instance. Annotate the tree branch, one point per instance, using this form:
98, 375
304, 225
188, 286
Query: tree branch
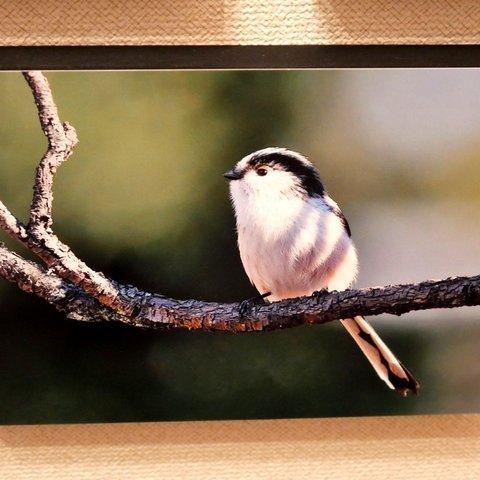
84, 294
65, 297
39, 237
160, 312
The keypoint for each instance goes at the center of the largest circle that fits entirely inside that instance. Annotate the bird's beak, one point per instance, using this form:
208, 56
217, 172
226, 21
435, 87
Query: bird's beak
232, 175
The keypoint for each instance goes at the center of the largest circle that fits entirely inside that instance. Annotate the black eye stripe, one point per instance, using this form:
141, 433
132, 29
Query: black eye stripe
307, 174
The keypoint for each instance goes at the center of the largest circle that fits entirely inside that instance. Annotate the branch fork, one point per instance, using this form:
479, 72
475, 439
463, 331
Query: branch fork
72, 287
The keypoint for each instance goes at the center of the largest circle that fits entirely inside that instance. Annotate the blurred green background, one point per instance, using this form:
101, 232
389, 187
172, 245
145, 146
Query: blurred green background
143, 200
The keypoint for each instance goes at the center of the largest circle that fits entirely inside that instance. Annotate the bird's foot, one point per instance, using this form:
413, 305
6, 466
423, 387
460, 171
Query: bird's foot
245, 307
320, 293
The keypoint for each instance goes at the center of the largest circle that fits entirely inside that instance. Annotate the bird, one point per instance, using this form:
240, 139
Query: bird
295, 241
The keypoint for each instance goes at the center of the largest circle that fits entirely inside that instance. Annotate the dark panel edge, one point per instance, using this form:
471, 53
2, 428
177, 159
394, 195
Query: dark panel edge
238, 57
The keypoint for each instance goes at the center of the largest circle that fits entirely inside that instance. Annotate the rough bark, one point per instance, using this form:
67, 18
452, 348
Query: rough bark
73, 287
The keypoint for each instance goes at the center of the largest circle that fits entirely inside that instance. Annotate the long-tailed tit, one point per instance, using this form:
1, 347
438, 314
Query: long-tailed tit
294, 240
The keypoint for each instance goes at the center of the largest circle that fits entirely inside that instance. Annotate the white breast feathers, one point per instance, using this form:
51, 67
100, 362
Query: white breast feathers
293, 246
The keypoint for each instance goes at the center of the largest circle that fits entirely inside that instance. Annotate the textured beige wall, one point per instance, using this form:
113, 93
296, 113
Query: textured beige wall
246, 22
437, 448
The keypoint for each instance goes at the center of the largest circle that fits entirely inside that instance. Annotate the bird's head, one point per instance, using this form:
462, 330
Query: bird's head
274, 173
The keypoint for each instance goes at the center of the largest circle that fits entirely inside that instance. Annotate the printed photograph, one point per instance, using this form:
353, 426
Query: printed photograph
213, 245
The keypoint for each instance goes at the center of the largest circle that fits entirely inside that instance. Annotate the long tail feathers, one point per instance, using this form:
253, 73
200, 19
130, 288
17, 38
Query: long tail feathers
388, 368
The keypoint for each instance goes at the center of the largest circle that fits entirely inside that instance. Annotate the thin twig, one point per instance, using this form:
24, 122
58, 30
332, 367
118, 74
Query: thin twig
61, 140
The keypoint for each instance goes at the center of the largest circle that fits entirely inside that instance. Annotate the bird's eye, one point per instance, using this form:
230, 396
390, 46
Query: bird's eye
261, 171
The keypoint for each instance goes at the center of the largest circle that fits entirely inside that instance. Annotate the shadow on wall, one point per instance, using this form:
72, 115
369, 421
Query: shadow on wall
387, 21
